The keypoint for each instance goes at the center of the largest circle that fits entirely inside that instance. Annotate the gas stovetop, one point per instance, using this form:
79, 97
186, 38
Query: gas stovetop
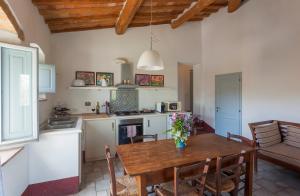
132, 113
127, 113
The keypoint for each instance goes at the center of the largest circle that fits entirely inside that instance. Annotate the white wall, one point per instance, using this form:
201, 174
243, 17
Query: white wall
35, 31
262, 41
15, 174
96, 50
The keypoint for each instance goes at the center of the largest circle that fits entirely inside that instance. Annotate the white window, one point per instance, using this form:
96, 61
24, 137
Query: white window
18, 97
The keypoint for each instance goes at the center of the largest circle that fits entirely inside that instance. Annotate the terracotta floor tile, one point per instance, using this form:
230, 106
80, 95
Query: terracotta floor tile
267, 182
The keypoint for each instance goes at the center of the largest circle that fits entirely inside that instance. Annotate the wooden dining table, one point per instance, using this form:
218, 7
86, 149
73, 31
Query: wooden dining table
153, 162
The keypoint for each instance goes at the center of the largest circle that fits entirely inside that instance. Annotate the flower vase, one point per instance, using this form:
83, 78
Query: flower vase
180, 145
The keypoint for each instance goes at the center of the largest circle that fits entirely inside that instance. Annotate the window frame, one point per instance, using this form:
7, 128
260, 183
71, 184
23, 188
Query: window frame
35, 76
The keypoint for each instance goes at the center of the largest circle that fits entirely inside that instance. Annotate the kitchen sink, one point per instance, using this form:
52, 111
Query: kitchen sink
62, 123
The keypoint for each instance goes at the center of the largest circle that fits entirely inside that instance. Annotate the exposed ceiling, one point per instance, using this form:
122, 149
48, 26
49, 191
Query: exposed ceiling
5, 23
8, 21
79, 15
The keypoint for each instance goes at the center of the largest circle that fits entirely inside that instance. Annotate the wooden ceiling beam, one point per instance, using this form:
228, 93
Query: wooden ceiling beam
85, 18
78, 15
217, 6
94, 4
53, 2
171, 8
108, 21
112, 16
188, 13
167, 3
97, 2
126, 15
81, 21
69, 13
81, 25
73, 29
233, 5
101, 11
76, 5
12, 19
160, 14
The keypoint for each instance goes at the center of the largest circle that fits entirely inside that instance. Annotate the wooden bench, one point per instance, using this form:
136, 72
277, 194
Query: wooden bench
280, 154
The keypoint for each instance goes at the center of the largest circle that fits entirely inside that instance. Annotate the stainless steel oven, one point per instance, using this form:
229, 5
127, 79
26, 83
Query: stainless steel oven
124, 124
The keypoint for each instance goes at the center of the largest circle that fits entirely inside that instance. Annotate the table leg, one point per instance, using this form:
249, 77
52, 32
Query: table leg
141, 183
249, 175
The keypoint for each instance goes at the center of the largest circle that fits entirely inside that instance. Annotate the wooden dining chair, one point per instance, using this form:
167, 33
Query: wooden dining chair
119, 186
188, 181
141, 138
240, 138
246, 141
218, 182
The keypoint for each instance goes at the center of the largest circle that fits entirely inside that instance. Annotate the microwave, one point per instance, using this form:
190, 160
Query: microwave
172, 106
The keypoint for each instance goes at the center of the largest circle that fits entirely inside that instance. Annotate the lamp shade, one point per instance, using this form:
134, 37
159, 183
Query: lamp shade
150, 60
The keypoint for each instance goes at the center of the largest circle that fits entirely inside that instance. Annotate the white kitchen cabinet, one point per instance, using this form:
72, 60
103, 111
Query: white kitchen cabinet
99, 133
156, 125
47, 78
55, 156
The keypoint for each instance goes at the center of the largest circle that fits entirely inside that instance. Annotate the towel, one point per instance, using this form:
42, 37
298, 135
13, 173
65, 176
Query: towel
131, 131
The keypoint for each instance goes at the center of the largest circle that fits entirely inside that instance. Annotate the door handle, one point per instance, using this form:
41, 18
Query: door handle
148, 123
113, 126
217, 109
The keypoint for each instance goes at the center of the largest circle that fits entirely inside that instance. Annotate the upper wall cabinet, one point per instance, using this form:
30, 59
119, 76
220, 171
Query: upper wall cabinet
46, 78
18, 95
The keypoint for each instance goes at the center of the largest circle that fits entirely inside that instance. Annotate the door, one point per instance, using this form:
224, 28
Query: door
156, 125
228, 104
99, 133
185, 87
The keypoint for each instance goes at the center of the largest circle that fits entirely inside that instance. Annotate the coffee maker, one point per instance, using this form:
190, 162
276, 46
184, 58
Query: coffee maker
160, 107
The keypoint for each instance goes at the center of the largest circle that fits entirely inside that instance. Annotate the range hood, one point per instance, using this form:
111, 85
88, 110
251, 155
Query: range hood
127, 79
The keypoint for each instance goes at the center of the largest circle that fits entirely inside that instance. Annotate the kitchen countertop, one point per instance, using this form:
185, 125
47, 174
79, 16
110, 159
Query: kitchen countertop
93, 116
103, 116
7, 155
77, 129
90, 116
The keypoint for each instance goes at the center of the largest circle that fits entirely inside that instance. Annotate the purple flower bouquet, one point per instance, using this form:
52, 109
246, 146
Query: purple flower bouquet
181, 127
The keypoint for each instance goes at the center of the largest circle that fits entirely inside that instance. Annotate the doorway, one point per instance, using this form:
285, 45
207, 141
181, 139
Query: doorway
228, 110
185, 86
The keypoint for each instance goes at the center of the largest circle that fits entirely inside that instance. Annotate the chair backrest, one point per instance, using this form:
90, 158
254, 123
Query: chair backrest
241, 139
111, 169
232, 162
253, 132
190, 173
141, 138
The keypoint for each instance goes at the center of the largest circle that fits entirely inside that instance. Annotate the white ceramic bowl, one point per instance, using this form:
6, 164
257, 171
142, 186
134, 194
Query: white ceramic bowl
78, 83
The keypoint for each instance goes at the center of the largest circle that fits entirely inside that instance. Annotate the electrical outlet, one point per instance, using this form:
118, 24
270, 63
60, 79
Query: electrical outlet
87, 103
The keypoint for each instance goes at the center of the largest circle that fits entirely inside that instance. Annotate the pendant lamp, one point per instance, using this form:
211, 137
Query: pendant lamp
150, 59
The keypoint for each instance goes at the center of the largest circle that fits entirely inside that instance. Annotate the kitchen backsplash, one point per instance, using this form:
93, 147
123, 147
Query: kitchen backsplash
124, 100
146, 98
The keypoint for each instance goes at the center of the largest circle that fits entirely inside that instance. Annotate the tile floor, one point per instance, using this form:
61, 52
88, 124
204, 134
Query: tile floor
271, 180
